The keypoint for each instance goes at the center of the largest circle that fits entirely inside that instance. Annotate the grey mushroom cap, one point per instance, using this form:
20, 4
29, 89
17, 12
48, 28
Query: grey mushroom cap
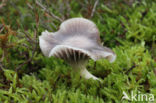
76, 40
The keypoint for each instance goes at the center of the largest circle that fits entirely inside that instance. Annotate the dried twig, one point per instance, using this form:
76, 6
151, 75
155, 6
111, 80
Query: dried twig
3, 3
1, 28
29, 39
130, 69
47, 14
25, 45
4, 40
47, 11
93, 10
35, 42
30, 6
33, 52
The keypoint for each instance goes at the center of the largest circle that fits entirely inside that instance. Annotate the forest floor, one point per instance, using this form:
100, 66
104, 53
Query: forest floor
127, 27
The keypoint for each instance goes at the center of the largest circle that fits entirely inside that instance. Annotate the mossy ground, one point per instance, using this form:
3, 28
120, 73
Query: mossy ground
26, 76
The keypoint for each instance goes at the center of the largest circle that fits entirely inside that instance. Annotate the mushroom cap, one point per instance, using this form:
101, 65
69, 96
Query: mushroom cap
76, 40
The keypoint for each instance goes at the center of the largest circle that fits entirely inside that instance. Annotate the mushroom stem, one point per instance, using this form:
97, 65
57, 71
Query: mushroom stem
87, 75
81, 68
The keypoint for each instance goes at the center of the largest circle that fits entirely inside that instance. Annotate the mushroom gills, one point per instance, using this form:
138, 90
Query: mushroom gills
70, 55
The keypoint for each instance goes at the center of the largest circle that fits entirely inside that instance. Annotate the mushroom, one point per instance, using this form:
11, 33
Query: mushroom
76, 42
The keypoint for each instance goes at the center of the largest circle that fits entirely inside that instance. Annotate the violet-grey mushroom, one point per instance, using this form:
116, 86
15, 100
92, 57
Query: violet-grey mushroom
75, 42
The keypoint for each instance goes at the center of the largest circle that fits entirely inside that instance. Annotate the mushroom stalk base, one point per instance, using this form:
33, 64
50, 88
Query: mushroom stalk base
87, 75
81, 68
